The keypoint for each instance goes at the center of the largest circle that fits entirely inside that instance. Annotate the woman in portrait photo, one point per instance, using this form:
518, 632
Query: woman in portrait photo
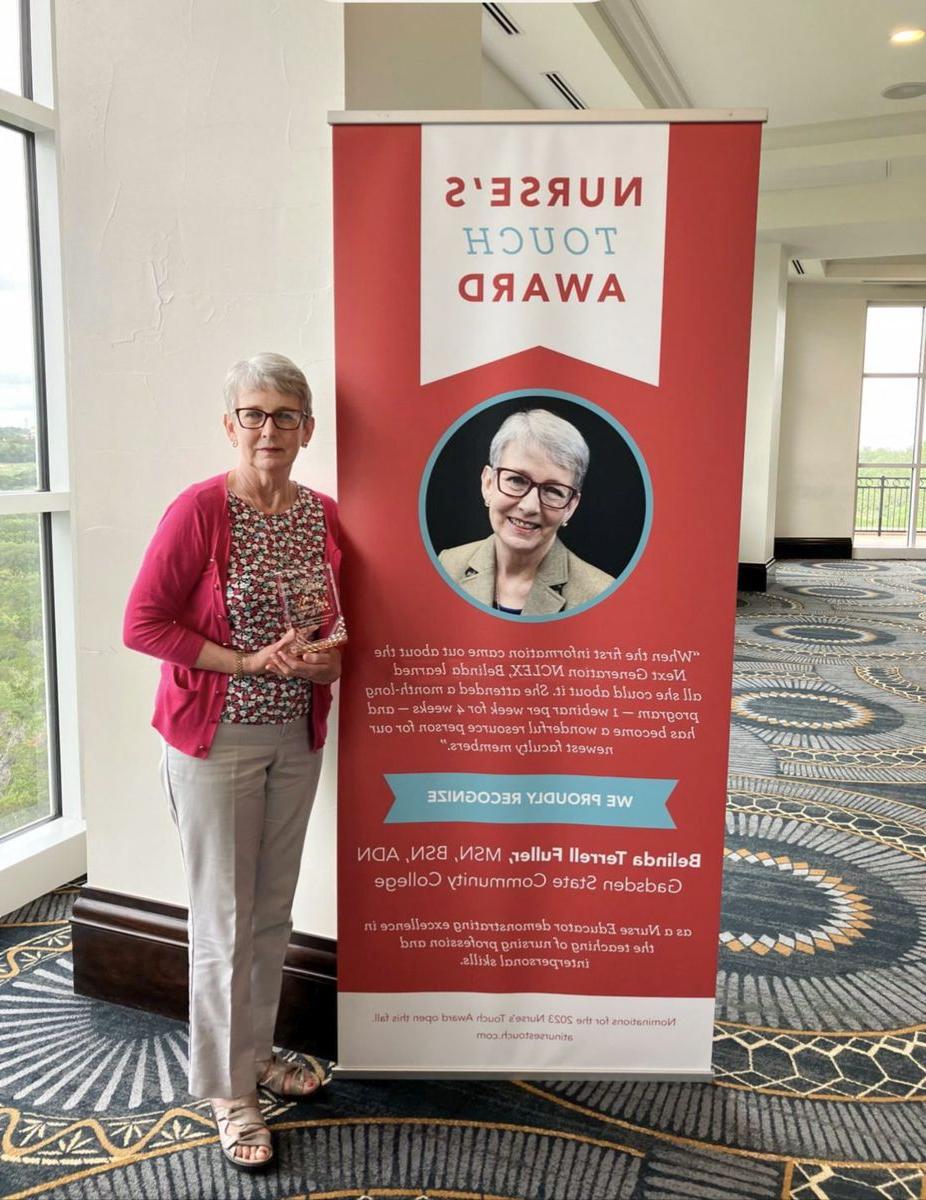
531, 488
242, 715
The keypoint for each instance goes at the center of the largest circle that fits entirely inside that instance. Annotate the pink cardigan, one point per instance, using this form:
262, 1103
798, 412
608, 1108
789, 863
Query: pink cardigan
177, 603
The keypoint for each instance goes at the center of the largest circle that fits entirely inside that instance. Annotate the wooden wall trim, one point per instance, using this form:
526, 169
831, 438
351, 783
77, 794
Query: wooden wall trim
133, 951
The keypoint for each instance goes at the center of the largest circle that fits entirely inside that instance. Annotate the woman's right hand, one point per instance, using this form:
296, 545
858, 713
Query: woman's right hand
263, 661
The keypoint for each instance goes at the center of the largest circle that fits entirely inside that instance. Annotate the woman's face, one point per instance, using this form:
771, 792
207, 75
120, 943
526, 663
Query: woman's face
525, 525
268, 448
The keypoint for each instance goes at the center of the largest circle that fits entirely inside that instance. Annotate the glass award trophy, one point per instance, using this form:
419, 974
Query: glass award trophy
312, 607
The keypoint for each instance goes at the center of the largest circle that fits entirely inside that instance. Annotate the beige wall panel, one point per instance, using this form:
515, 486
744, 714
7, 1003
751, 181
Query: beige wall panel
763, 408
820, 411
413, 56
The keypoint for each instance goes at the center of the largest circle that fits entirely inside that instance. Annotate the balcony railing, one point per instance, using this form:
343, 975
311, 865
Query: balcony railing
882, 505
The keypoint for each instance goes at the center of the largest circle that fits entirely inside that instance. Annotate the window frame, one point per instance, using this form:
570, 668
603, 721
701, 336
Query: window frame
917, 465
33, 115
25, 47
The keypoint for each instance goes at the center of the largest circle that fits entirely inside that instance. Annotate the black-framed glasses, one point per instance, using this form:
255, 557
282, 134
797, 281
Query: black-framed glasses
283, 418
551, 494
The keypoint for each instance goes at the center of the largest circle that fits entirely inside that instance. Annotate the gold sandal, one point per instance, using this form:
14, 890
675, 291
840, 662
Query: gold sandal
301, 1080
240, 1123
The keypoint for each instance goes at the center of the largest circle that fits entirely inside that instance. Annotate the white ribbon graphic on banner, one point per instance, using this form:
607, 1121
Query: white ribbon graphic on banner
542, 236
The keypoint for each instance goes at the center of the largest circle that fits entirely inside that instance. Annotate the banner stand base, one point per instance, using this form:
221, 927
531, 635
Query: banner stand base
512, 1076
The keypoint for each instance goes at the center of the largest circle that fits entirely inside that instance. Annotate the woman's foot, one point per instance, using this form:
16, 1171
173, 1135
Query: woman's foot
243, 1133
292, 1079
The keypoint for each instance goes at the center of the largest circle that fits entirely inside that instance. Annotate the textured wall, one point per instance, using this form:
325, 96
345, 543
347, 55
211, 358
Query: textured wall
196, 221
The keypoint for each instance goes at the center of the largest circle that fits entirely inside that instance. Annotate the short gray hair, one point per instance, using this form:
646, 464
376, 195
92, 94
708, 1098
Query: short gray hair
558, 439
264, 373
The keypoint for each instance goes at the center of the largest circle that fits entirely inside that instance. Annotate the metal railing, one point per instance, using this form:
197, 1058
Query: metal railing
882, 505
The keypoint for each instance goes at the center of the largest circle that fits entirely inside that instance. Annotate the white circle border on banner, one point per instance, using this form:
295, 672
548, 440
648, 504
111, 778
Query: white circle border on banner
538, 393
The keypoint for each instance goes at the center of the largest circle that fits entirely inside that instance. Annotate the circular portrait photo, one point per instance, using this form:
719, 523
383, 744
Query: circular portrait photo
535, 505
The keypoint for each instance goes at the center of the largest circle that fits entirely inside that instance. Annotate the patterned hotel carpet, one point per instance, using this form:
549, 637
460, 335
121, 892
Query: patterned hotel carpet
820, 1054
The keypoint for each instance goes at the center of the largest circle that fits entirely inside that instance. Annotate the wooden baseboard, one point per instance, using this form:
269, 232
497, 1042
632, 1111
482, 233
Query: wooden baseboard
813, 547
753, 577
132, 951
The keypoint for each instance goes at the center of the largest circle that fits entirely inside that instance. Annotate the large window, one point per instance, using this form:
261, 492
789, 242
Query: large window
890, 508
34, 501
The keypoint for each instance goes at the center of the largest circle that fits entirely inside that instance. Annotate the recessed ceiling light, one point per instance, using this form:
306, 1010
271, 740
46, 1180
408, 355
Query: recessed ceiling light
905, 91
905, 37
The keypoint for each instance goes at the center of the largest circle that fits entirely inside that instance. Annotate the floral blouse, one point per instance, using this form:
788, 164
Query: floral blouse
263, 544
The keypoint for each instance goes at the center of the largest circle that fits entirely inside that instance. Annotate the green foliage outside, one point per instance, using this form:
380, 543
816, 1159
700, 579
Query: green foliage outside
884, 456
24, 791
882, 498
17, 477
17, 445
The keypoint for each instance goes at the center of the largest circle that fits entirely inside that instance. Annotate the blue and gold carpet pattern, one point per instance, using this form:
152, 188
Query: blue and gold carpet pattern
820, 1050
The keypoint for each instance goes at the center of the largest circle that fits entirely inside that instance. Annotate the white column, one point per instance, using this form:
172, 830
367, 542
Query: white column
763, 410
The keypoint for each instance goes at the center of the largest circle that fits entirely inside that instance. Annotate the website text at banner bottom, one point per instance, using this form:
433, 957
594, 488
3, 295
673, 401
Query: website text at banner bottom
531, 799
502, 1033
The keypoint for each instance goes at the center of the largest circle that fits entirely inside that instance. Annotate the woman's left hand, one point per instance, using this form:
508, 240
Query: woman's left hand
319, 666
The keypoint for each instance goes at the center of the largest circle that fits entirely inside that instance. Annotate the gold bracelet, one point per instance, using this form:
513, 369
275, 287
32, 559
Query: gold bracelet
239, 664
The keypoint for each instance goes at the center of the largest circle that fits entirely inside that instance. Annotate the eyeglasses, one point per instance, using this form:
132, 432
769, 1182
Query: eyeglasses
551, 494
283, 418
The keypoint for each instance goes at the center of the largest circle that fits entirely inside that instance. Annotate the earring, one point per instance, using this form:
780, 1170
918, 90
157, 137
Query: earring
565, 523
234, 441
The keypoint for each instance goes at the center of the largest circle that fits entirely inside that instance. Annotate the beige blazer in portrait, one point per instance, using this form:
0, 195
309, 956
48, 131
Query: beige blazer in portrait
563, 580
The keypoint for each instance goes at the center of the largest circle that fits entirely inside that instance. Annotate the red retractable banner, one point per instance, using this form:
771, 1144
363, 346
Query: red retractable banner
542, 346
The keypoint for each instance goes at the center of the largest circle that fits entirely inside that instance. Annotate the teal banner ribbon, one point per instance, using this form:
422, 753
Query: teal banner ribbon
531, 799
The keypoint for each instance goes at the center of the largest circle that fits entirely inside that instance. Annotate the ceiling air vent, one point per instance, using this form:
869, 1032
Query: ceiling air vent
798, 266
564, 89
501, 18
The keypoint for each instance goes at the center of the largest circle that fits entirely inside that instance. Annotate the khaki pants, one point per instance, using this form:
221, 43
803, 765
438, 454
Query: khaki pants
241, 814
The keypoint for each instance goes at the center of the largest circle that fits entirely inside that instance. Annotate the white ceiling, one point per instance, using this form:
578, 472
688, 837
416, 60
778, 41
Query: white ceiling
806, 61
844, 170
556, 37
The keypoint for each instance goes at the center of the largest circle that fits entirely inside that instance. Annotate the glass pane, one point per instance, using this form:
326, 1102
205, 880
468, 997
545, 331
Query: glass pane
17, 357
882, 501
11, 79
888, 420
24, 787
892, 339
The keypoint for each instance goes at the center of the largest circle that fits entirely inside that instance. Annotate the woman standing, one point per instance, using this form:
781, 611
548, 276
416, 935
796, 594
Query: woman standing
243, 719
